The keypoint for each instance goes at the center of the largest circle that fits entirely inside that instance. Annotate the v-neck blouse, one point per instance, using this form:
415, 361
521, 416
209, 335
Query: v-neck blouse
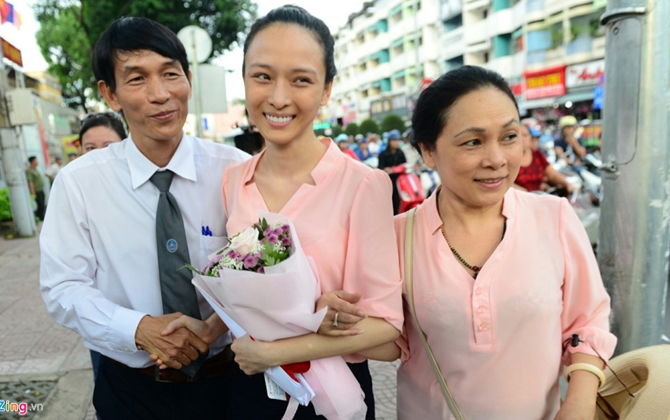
345, 223
498, 339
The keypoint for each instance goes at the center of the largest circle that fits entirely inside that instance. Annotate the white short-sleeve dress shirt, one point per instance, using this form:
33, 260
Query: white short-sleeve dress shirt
99, 268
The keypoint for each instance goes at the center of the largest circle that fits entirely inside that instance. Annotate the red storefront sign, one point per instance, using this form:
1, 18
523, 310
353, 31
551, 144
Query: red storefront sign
11, 53
545, 83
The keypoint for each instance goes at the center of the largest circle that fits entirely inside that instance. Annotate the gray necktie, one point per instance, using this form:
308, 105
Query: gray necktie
176, 289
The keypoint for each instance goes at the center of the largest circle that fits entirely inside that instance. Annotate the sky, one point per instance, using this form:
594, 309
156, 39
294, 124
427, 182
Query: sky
334, 14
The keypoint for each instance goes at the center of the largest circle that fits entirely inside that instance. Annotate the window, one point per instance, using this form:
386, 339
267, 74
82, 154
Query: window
453, 23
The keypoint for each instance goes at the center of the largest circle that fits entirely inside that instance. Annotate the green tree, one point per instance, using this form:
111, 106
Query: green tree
336, 130
69, 30
393, 122
352, 129
369, 126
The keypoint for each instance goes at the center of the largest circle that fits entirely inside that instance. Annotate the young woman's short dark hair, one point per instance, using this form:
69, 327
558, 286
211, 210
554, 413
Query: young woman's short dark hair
110, 120
134, 34
432, 109
31, 159
296, 15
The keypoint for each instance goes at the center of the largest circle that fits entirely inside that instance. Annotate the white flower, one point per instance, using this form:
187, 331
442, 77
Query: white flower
244, 241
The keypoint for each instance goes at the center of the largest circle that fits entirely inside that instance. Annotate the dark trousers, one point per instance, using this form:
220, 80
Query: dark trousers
249, 400
123, 393
41, 205
396, 194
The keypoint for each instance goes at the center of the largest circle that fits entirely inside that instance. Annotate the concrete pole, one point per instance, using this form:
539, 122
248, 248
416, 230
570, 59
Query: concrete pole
17, 184
634, 242
197, 97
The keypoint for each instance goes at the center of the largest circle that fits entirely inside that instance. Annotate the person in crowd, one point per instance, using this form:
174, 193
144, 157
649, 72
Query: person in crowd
502, 279
535, 135
390, 158
288, 74
72, 156
535, 169
54, 168
99, 130
567, 146
363, 151
115, 236
343, 144
373, 144
412, 156
36, 187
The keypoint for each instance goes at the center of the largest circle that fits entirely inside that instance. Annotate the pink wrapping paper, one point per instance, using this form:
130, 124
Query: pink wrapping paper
280, 304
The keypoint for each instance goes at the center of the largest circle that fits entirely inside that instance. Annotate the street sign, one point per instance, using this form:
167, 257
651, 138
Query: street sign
197, 43
11, 53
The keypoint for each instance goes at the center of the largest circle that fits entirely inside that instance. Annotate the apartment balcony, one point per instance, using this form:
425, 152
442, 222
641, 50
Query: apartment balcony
554, 6
599, 46
452, 43
470, 5
535, 10
501, 22
401, 61
475, 32
483, 46
579, 46
503, 65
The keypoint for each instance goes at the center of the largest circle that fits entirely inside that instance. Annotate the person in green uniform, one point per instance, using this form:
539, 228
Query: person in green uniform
36, 185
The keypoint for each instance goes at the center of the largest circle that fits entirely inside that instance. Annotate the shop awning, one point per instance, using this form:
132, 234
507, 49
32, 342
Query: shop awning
586, 95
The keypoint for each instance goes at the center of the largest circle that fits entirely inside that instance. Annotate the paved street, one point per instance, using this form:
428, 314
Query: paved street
41, 362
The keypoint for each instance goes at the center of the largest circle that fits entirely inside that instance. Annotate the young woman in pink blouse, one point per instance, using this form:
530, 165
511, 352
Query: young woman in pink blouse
341, 209
501, 277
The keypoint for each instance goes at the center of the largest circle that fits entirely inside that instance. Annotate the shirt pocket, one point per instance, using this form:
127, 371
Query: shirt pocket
211, 244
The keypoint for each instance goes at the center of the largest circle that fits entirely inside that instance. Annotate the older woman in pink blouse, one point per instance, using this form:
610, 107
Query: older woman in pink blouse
501, 277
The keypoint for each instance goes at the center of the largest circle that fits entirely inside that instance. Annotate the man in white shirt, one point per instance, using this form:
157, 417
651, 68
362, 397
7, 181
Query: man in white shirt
54, 168
99, 260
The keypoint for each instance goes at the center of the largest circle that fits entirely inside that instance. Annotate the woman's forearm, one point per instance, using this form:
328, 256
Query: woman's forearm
375, 332
386, 352
583, 384
555, 177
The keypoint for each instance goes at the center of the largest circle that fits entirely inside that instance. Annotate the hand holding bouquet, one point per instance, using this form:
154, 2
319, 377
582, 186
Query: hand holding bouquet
263, 283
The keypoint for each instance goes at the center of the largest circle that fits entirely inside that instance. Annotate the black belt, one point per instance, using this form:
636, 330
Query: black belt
218, 365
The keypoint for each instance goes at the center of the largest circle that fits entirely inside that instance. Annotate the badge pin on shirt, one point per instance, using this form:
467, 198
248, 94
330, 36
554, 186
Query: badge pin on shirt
172, 246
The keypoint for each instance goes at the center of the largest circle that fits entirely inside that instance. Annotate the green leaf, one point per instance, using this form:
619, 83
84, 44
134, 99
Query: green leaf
190, 267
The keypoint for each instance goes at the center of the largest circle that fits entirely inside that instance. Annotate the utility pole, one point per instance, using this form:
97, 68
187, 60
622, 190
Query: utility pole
17, 184
635, 217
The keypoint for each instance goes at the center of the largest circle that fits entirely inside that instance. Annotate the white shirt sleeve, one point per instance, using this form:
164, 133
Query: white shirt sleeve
67, 274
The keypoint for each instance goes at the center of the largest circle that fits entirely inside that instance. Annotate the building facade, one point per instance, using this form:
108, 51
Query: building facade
550, 51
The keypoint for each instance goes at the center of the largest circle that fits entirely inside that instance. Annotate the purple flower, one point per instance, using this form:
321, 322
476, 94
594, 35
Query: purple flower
261, 270
272, 238
231, 254
267, 232
286, 242
278, 231
250, 261
286, 228
212, 263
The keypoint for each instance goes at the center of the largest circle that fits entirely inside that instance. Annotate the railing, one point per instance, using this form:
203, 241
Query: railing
577, 46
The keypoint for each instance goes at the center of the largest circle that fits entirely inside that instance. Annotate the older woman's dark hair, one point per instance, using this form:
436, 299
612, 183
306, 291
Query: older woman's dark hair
105, 119
431, 113
296, 15
130, 34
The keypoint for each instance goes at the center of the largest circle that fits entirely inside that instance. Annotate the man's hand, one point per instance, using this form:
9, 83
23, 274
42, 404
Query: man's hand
174, 350
340, 303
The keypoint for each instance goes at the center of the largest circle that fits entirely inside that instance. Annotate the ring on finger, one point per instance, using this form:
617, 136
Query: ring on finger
337, 314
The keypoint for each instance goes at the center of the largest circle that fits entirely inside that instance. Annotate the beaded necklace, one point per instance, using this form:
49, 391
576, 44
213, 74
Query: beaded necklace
474, 268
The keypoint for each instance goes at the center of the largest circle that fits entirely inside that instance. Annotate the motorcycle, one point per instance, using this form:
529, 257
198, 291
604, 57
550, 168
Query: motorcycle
409, 187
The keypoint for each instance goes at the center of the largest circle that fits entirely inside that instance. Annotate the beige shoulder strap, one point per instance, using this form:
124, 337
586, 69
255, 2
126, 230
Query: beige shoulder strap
409, 260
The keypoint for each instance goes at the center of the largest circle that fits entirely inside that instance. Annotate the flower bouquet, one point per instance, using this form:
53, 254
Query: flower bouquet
262, 283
